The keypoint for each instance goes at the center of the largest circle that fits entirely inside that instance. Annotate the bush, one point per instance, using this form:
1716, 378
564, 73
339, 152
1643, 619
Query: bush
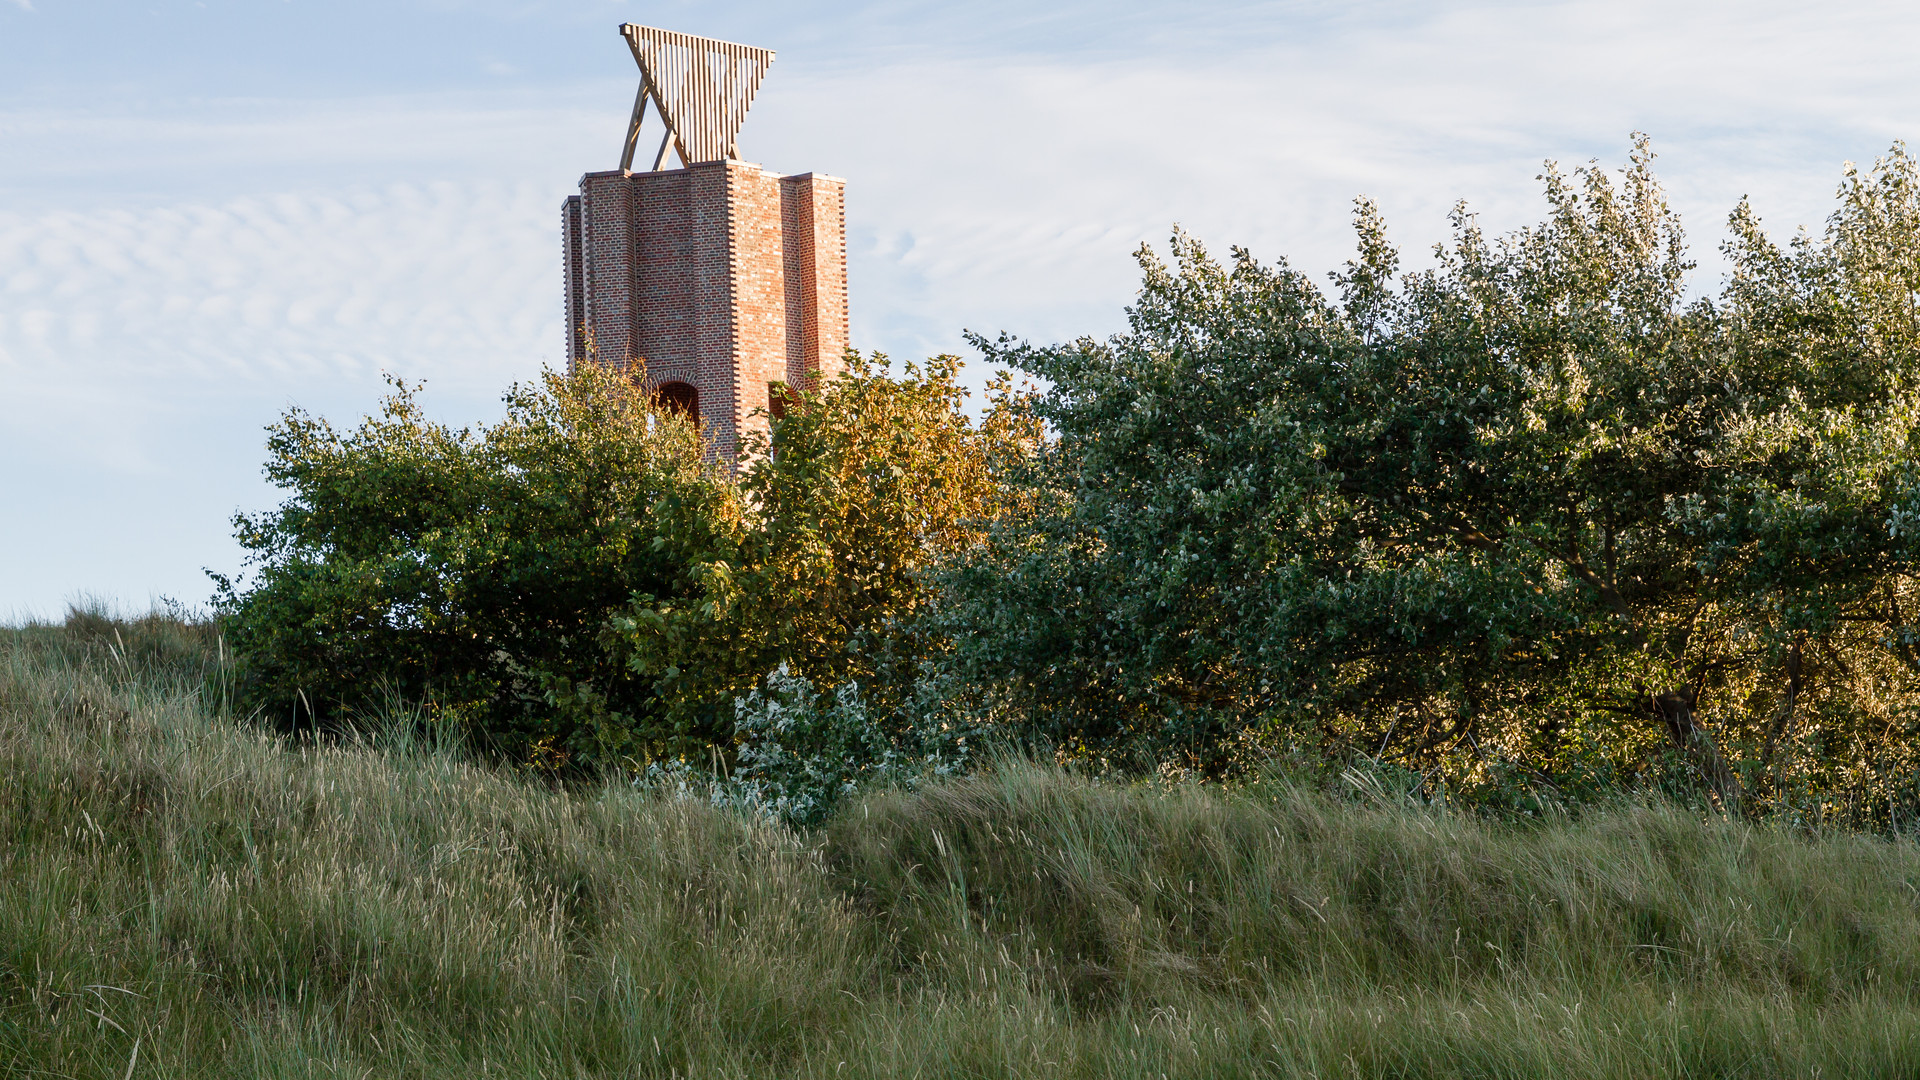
1530, 506
868, 483
477, 569
798, 752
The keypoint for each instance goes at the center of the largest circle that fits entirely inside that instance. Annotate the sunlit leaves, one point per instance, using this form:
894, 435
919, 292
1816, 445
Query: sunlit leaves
1526, 501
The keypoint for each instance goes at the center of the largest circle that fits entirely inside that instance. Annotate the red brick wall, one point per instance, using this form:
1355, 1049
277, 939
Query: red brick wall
721, 275
663, 277
606, 266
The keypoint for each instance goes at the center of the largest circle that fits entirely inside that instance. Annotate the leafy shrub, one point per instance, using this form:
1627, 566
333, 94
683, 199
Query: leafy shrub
1530, 506
798, 752
868, 482
479, 568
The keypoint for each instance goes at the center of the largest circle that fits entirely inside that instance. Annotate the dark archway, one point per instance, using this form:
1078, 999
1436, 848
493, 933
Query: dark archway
679, 398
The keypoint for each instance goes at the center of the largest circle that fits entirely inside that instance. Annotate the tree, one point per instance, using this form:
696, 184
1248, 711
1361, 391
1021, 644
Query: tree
477, 569
866, 483
1530, 505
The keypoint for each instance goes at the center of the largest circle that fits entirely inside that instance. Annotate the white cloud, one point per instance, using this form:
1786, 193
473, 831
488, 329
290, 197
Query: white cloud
444, 279
1008, 194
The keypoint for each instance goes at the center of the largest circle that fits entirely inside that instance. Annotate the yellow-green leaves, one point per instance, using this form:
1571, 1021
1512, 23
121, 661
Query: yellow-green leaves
866, 482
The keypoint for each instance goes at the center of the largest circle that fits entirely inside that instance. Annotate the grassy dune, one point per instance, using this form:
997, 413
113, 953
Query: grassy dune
183, 896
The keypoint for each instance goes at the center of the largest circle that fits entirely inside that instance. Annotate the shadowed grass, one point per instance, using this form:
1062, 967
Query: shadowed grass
239, 904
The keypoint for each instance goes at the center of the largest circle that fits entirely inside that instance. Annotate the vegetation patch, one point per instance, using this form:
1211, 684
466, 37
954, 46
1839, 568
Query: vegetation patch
1538, 523
187, 895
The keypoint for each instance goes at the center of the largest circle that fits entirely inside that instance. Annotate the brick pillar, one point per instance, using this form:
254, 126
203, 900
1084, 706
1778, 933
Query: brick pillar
573, 269
814, 220
757, 260
710, 228
663, 279
606, 229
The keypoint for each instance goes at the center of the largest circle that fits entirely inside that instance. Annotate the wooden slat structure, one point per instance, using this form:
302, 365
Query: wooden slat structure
701, 87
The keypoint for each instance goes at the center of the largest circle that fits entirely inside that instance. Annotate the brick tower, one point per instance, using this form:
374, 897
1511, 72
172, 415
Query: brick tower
726, 281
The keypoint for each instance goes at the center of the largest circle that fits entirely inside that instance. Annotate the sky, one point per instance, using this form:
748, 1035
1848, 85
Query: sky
212, 211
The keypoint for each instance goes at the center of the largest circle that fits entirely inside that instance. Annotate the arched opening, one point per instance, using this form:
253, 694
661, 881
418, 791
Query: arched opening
679, 398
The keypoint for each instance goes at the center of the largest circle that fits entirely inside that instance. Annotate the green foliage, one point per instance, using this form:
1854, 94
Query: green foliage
577, 584
187, 896
867, 482
1531, 524
477, 569
1530, 506
799, 752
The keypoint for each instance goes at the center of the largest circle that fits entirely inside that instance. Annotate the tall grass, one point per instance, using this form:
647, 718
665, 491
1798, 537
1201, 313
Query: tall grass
185, 895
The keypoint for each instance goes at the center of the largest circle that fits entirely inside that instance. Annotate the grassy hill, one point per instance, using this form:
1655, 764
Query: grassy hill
185, 896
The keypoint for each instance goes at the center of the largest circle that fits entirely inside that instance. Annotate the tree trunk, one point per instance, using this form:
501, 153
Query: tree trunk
1782, 728
1675, 710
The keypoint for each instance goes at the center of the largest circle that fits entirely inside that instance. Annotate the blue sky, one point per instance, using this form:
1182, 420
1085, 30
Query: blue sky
212, 210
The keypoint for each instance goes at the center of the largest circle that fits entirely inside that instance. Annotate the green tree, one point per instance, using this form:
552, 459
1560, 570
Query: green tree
1531, 505
477, 569
867, 482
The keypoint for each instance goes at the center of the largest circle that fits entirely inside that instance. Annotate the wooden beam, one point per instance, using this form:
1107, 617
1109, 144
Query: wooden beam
633, 127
